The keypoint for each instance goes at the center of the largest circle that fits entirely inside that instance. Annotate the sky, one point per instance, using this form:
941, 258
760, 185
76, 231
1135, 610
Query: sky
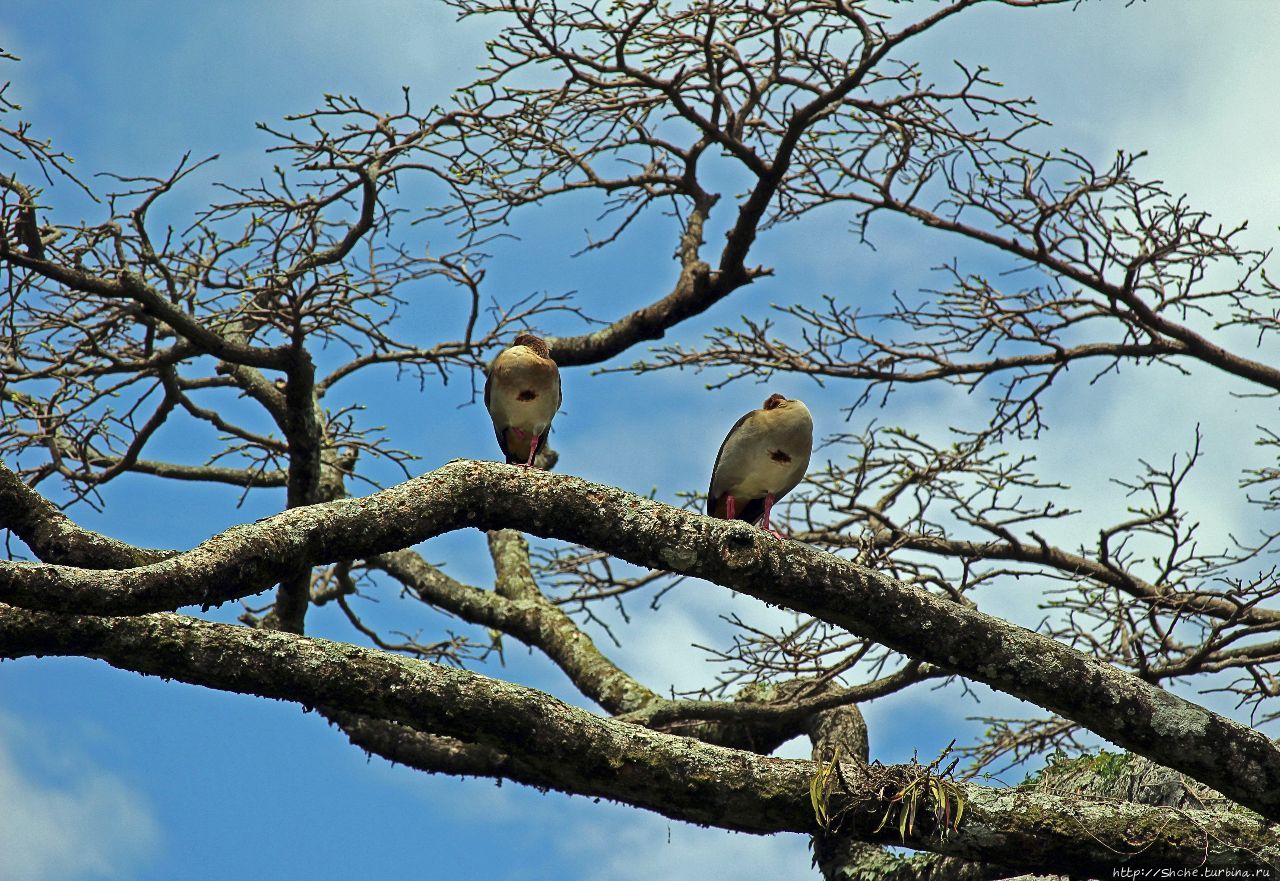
105, 775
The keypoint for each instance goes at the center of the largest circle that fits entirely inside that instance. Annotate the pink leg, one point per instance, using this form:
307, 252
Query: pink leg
533, 450
764, 522
730, 507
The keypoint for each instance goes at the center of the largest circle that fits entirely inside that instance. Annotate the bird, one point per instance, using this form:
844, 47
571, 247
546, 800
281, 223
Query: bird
764, 456
522, 394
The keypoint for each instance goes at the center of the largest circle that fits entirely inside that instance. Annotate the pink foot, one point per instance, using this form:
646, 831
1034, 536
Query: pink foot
533, 451
764, 521
730, 507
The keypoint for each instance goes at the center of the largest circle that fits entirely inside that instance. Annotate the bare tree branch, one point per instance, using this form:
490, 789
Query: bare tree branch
1237, 761
562, 746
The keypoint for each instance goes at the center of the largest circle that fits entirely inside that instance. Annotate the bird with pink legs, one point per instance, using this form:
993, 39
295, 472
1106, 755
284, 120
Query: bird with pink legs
522, 394
764, 457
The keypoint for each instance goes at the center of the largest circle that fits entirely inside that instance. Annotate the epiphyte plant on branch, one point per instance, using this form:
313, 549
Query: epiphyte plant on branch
911, 545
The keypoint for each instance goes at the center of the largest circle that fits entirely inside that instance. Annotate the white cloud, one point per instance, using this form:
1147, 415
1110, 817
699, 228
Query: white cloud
1192, 83
86, 823
1215, 137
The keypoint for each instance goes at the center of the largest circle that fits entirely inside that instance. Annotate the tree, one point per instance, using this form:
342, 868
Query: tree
246, 325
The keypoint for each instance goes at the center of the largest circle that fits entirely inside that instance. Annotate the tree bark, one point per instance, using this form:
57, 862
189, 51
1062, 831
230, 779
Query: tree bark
532, 737
1237, 761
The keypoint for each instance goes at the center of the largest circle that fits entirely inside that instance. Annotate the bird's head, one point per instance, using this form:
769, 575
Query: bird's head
536, 343
775, 401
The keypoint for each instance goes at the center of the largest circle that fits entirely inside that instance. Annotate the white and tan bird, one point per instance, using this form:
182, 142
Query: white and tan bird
764, 457
522, 394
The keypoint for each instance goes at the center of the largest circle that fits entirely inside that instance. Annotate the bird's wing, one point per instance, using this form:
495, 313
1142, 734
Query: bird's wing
512, 458
712, 495
800, 470
555, 378
559, 394
499, 430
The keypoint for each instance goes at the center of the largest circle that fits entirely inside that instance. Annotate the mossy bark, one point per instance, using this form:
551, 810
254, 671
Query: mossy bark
1236, 760
473, 724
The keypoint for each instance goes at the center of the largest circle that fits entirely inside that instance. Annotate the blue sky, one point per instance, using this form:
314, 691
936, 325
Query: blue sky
107, 775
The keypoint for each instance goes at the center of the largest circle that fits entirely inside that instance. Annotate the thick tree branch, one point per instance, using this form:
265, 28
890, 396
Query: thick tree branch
853, 860
694, 293
520, 610
733, 789
54, 538
1223, 754
697, 289
433, 753
573, 750
790, 704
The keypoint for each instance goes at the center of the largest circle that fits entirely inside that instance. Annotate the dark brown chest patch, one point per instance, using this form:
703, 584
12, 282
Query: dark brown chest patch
527, 395
779, 456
